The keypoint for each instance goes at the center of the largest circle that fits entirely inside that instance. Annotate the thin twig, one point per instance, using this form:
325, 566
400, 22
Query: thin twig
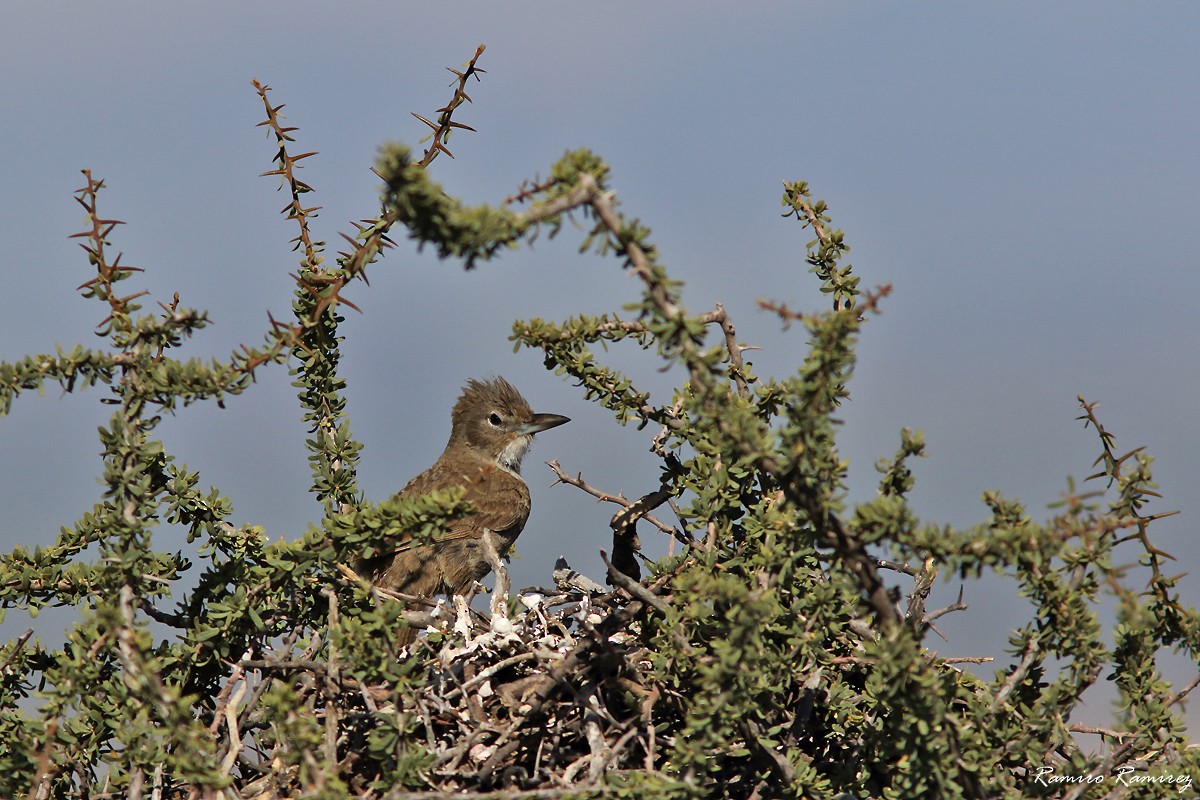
957, 605
627, 583
638, 261
1114, 734
16, 646
652, 500
445, 124
332, 681
1184, 692
1032, 649
737, 367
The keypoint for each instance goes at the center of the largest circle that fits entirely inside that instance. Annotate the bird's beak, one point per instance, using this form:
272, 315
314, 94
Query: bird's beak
542, 422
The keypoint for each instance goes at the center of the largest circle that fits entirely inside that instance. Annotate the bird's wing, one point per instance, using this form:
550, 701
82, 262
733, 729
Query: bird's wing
501, 501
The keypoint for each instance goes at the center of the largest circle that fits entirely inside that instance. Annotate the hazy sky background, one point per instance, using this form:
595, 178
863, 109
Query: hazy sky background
1024, 174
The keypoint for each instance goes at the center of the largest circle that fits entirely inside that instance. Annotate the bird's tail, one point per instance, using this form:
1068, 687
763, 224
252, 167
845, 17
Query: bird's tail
406, 635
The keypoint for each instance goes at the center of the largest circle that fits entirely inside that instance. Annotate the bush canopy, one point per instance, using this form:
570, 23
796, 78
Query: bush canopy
778, 652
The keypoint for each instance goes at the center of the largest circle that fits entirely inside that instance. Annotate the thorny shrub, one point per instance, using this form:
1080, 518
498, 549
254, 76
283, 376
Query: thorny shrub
771, 657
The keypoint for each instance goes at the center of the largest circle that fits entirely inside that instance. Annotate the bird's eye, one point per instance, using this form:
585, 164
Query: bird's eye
494, 419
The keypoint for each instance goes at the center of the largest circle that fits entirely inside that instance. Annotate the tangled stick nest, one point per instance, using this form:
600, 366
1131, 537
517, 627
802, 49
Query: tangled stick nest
547, 691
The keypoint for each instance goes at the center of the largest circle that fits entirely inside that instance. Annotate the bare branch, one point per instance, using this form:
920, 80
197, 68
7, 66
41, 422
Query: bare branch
627, 583
957, 605
650, 501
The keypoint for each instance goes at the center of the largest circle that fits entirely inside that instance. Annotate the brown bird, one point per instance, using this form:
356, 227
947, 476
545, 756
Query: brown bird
491, 429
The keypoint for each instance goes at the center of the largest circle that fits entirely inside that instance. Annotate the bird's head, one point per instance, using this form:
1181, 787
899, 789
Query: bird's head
493, 419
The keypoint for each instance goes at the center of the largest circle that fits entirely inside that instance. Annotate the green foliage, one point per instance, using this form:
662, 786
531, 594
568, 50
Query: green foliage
769, 658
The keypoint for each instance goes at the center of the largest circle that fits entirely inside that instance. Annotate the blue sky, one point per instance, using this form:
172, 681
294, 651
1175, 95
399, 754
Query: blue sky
1025, 176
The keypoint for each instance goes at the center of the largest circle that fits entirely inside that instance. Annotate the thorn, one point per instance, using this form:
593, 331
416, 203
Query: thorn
427, 122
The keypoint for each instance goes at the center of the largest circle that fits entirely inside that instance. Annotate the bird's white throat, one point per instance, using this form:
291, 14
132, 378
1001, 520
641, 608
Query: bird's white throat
510, 457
